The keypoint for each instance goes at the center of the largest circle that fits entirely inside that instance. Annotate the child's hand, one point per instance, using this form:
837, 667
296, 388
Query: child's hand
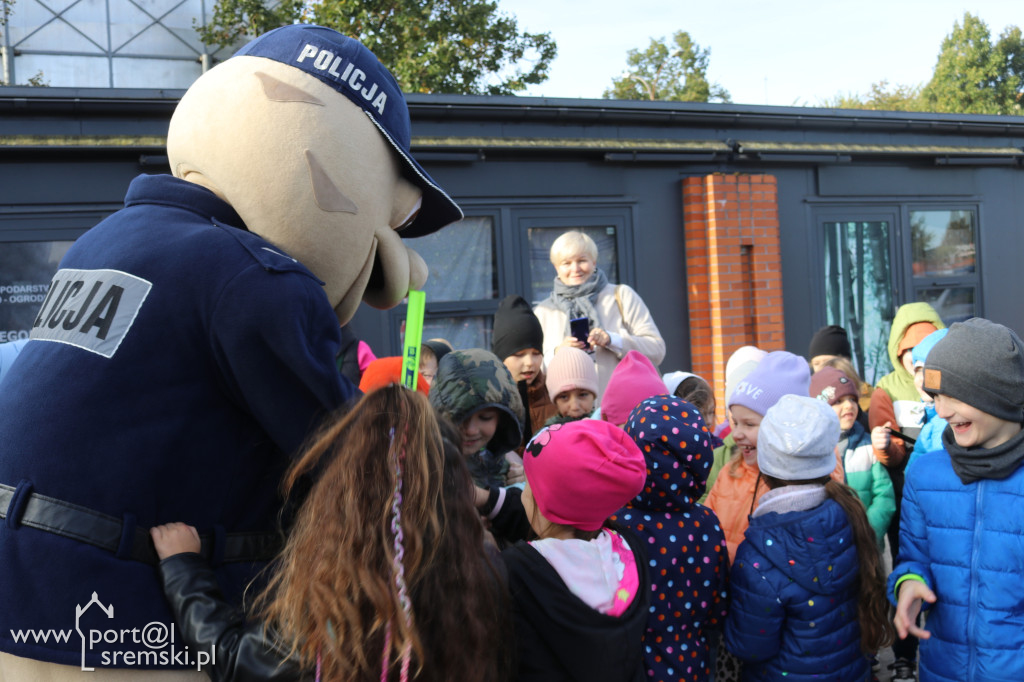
880, 437
480, 496
908, 607
175, 538
573, 342
516, 473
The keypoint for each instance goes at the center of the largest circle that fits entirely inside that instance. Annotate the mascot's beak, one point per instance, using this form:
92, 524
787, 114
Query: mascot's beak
390, 270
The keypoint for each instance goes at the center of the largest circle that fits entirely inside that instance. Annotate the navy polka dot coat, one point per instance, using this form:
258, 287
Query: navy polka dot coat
688, 561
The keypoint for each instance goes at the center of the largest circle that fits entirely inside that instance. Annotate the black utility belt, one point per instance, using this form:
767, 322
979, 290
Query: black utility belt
121, 536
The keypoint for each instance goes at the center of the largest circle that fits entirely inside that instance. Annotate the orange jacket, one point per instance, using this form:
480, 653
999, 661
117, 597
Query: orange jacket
731, 498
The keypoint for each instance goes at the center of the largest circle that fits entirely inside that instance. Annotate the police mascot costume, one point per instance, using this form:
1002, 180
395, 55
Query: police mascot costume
186, 348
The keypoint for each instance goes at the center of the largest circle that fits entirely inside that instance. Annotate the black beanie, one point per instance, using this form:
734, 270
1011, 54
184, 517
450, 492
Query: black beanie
438, 347
516, 328
830, 340
980, 363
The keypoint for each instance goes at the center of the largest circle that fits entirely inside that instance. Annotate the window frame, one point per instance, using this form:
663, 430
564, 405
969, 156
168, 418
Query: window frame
455, 309
27, 226
512, 221
620, 215
853, 213
906, 287
916, 284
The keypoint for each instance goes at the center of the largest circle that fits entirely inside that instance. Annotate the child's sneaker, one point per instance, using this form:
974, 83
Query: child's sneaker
903, 670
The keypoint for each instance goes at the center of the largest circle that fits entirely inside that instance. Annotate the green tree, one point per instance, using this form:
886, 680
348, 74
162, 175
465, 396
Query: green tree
6, 9
446, 46
974, 76
675, 72
880, 97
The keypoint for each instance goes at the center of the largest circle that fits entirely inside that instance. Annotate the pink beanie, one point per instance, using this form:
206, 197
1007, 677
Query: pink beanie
580, 473
633, 381
780, 373
830, 384
571, 368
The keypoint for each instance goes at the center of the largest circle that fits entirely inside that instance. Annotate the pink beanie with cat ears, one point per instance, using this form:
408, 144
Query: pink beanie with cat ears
580, 473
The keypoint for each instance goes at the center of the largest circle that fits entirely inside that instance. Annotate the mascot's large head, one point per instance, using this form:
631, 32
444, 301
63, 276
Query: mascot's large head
306, 135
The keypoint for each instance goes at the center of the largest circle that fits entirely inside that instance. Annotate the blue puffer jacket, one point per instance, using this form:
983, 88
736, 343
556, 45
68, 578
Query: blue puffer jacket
967, 543
930, 438
794, 597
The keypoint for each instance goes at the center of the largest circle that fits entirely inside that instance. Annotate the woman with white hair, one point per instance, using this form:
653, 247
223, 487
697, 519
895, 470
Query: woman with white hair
617, 321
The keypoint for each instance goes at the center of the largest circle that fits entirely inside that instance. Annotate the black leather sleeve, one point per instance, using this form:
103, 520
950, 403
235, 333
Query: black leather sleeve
208, 623
511, 523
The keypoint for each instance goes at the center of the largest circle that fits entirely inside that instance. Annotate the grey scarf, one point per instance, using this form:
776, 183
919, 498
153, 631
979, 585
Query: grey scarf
971, 464
579, 300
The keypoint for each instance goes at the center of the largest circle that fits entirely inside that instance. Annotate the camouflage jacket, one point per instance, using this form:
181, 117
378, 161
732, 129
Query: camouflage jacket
471, 380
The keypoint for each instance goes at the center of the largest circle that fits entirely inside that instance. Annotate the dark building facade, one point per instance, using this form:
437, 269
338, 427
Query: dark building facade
737, 224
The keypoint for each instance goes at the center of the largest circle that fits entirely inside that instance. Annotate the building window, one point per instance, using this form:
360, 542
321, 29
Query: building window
542, 272
26, 269
462, 261
462, 286
871, 267
859, 291
944, 266
500, 250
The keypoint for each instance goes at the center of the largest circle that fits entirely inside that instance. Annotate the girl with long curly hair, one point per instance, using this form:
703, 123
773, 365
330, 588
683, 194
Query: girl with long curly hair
808, 592
383, 576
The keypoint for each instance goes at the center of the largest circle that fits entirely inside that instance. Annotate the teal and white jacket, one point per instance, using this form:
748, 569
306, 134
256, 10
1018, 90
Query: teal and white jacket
870, 480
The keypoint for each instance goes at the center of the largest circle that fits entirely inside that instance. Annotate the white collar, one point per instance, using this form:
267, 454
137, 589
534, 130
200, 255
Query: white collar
791, 498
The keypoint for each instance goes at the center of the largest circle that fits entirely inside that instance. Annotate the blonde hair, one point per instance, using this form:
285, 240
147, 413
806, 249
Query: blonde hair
846, 367
571, 243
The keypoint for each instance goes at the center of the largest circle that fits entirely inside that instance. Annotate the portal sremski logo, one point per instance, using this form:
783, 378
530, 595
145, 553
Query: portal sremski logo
150, 646
79, 610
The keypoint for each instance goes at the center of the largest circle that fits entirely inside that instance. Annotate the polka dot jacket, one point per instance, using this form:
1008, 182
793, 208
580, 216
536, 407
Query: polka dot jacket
688, 562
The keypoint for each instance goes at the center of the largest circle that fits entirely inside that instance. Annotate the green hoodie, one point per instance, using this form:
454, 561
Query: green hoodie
899, 383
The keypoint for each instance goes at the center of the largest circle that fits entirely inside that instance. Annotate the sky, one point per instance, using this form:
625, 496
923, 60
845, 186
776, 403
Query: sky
776, 52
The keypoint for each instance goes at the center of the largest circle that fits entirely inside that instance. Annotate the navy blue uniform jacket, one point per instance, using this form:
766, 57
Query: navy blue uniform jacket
176, 366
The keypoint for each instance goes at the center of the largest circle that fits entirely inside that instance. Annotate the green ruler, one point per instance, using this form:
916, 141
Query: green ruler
413, 338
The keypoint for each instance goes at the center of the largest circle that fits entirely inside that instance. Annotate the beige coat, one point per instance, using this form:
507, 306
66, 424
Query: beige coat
632, 322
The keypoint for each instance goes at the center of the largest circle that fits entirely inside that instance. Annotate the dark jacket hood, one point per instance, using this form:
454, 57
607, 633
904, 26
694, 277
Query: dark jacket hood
677, 446
471, 380
562, 637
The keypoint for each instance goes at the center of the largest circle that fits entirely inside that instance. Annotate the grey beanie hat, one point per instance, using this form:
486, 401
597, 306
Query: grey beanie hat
980, 363
797, 439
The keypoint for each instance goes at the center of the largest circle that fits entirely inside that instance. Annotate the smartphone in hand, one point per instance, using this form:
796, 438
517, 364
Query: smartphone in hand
580, 330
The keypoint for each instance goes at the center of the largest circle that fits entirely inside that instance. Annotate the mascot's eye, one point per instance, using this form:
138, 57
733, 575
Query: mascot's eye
328, 196
279, 91
411, 217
